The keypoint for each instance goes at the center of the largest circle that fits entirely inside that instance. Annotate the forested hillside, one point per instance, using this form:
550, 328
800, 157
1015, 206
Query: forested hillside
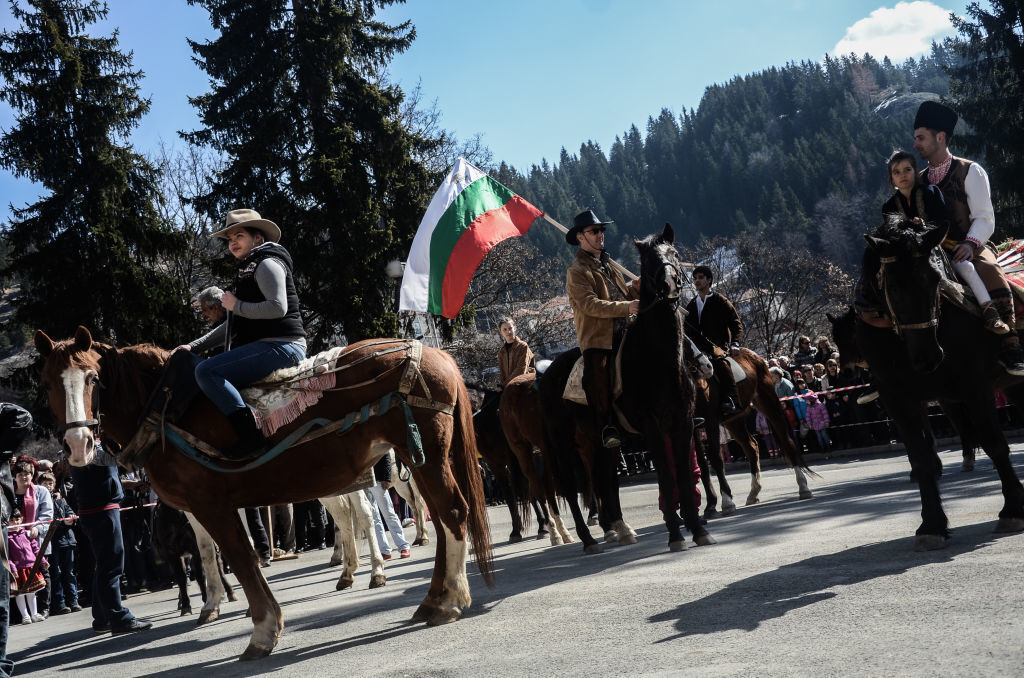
797, 152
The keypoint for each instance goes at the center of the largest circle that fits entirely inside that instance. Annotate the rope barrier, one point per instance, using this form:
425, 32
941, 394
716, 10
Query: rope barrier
75, 517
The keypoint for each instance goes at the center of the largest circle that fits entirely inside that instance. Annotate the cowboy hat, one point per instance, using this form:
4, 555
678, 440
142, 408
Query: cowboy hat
583, 220
249, 219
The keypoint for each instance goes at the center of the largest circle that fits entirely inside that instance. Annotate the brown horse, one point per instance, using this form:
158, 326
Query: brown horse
756, 390
522, 420
439, 405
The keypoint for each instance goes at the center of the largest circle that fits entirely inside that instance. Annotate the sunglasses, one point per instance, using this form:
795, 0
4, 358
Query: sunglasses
596, 230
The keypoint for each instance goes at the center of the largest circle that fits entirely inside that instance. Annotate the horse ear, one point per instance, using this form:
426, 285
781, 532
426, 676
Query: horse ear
83, 339
830, 318
636, 242
668, 235
875, 243
931, 238
43, 343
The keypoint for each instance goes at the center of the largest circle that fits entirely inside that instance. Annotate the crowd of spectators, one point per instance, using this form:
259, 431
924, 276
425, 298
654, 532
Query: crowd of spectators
62, 585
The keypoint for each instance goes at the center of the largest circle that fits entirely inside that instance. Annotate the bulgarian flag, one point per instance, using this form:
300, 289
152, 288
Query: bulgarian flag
469, 214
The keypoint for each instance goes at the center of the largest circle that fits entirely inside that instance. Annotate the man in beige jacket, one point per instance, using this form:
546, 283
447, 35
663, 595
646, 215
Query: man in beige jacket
601, 303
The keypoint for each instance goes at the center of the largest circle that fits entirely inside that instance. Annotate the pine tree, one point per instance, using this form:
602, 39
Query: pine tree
90, 250
314, 141
987, 88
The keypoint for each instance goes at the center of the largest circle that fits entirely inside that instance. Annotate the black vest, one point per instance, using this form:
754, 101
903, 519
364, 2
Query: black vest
247, 330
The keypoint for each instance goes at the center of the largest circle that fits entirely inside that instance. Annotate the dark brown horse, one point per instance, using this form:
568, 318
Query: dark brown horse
446, 473
757, 391
933, 351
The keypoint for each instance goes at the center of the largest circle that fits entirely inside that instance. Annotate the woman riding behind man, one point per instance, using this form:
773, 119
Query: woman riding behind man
514, 356
263, 332
925, 203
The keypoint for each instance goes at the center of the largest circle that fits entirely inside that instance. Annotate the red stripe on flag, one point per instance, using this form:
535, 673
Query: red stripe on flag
487, 230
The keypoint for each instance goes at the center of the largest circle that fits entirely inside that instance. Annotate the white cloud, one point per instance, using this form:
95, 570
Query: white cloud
903, 31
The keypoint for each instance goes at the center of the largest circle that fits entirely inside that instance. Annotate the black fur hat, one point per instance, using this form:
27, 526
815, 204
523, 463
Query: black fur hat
933, 115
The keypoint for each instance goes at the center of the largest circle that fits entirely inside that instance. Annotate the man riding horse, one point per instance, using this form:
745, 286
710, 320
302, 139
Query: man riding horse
713, 325
601, 304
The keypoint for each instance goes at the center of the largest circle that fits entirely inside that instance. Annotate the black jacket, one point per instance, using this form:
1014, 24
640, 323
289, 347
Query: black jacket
15, 425
718, 324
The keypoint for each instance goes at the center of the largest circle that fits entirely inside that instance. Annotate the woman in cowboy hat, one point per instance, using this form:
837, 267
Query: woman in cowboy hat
264, 331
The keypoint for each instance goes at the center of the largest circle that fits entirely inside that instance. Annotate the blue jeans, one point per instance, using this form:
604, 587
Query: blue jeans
62, 574
221, 376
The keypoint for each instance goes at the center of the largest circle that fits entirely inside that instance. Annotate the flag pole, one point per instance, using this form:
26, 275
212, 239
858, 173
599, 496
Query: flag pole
616, 265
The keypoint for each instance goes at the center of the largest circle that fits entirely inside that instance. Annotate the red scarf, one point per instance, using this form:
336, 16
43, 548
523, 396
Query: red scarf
28, 515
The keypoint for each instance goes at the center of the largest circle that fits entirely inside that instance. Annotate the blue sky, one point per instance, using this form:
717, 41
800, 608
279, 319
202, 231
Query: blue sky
535, 76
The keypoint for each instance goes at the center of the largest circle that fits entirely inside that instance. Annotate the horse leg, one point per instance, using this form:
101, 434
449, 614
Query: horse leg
177, 565
684, 459
711, 507
540, 512
449, 586
667, 488
911, 420
345, 550
407, 491
536, 485
225, 526
361, 520
713, 444
985, 421
558, 529
215, 585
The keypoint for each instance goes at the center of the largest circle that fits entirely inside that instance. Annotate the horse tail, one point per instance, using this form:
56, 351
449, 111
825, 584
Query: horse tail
774, 412
467, 474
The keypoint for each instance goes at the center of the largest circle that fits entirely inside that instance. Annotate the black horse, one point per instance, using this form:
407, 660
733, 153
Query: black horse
657, 397
937, 351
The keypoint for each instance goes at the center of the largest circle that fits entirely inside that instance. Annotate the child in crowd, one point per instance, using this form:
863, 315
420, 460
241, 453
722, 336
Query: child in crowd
766, 433
22, 552
817, 421
62, 559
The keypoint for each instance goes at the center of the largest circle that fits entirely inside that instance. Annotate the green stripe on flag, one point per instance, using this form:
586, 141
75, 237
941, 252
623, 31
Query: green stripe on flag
483, 195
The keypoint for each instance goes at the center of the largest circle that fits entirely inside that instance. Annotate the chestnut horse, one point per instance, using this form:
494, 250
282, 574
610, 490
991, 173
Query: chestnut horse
757, 390
445, 468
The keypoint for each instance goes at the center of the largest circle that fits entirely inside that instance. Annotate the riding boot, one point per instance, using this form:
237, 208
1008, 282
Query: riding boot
1011, 357
251, 441
610, 436
993, 323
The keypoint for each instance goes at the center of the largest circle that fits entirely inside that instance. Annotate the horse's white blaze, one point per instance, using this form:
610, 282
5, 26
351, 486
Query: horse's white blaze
456, 583
208, 553
79, 439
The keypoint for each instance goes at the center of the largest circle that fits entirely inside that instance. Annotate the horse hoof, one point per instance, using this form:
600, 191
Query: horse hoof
423, 613
611, 535
728, 510
344, 583
593, 549
806, 494
378, 580
254, 652
677, 546
444, 617
231, 596
541, 533
425, 541
334, 562
207, 616
752, 500
591, 521
556, 540
929, 542
710, 513
627, 539
420, 541
185, 613
967, 467
704, 540
1008, 525
515, 538
567, 539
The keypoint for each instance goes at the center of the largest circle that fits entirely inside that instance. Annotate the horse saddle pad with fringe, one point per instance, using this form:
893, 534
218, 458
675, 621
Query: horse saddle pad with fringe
284, 394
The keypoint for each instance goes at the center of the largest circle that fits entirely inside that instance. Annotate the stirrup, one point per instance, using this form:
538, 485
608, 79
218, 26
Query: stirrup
993, 323
610, 437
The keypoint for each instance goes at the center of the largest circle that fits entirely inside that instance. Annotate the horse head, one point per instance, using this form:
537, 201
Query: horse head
661, 277
71, 379
909, 278
845, 339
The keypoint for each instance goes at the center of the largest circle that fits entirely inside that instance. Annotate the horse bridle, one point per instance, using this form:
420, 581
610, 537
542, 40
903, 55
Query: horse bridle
88, 423
896, 324
659, 296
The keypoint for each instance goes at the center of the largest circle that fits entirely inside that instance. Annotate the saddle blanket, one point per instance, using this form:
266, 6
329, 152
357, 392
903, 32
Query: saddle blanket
285, 394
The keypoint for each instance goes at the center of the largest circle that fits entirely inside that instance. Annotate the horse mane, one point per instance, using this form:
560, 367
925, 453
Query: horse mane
129, 371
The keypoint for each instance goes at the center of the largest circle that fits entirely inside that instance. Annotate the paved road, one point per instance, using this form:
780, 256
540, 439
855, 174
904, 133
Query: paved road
824, 587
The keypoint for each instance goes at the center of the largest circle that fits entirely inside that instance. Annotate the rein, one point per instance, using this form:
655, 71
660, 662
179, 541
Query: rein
898, 326
660, 297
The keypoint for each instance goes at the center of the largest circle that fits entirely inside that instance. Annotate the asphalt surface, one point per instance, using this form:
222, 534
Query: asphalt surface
829, 586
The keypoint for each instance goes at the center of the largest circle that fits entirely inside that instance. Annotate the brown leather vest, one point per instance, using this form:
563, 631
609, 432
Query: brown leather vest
955, 192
